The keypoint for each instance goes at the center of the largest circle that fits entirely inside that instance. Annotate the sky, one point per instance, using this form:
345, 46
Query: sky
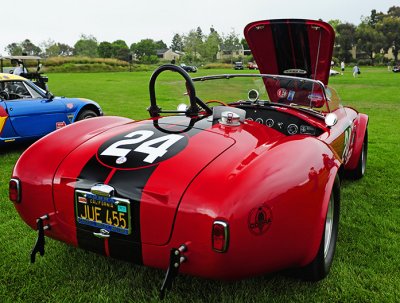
65, 21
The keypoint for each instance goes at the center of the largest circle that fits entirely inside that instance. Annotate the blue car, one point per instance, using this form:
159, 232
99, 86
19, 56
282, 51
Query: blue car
27, 112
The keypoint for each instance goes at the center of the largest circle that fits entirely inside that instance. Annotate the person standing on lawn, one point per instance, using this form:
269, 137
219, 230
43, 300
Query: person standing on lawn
356, 71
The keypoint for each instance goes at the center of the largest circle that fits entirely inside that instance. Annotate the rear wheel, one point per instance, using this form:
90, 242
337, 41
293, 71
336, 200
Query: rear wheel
320, 266
359, 171
86, 114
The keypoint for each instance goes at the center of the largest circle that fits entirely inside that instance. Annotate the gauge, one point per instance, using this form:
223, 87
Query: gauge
259, 120
292, 129
307, 129
269, 122
253, 95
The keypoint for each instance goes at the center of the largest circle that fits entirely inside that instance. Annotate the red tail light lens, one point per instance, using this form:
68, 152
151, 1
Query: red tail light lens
14, 190
220, 236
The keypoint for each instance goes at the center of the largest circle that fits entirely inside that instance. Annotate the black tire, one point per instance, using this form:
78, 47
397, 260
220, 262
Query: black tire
359, 171
319, 268
86, 114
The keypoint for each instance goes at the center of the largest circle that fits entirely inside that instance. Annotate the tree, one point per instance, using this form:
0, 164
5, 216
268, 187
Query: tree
334, 23
345, 40
145, 50
120, 50
29, 48
25, 47
177, 43
244, 43
369, 40
390, 26
394, 11
374, 18
231, 40
65, 49
50, 48
105, 49
86, 46
14, 49
210, 46
193, 43
161, 45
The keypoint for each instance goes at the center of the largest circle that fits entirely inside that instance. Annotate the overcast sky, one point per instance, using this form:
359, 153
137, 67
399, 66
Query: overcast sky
132, 20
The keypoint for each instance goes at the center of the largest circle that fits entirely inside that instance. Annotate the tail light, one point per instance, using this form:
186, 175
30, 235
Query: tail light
220, 236
14, 190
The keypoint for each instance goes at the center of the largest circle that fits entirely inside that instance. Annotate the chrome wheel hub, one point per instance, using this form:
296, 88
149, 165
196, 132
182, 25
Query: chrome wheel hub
329, 225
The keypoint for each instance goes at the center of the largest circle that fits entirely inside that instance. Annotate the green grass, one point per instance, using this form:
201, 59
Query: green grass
367, 259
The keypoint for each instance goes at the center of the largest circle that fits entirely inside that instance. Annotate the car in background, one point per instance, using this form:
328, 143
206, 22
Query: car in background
252, 65
34, 74
28, 112
189, 68
238, 65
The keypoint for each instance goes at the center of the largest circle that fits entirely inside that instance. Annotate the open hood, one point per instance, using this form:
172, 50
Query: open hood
292, 47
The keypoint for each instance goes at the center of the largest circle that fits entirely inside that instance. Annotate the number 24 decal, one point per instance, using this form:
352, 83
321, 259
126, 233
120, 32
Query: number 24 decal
147, 147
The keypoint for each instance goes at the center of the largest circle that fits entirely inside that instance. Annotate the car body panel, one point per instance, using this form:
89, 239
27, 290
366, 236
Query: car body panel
292, 47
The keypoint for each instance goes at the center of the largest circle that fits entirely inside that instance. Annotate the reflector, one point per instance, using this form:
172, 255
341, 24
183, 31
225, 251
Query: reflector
14, 190
220, 236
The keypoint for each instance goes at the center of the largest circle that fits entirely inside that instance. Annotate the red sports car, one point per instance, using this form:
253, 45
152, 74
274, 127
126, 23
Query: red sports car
248, 186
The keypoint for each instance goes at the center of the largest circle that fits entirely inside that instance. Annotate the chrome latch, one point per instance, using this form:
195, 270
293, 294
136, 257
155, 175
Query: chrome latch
103, 234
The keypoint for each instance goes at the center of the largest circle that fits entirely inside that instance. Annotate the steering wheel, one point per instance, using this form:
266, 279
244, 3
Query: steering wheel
4, 95
216, 101
195, 102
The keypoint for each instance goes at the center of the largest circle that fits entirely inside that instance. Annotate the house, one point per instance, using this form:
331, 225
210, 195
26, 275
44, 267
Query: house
230, 51
169, 54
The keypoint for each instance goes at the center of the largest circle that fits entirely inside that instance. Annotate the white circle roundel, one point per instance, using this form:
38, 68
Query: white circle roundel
140, 147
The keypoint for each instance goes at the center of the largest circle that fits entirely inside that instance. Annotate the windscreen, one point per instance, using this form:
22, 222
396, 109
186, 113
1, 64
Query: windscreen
291, 91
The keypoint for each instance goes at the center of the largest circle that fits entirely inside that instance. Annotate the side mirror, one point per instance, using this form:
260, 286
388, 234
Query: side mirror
49, 96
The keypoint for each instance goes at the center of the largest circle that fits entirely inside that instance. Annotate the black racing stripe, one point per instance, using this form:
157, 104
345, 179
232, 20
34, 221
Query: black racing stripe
283, 49
92, 173
291, 46
129, 184
301, 49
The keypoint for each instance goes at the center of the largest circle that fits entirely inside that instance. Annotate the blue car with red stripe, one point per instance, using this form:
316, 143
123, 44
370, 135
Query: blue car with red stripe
27, 112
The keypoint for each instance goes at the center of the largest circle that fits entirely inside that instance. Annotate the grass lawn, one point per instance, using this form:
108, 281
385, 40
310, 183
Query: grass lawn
367, 261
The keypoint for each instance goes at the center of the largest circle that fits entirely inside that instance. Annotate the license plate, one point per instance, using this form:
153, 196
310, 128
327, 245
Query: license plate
110, 213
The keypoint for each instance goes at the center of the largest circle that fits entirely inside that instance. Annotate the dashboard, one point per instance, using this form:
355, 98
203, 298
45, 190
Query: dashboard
280, 121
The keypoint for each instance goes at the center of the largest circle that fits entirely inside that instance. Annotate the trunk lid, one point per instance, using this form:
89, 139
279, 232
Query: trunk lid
148, 165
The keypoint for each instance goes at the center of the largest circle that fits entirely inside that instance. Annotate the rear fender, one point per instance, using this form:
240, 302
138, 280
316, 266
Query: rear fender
361, 124
293, 179
43, 158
